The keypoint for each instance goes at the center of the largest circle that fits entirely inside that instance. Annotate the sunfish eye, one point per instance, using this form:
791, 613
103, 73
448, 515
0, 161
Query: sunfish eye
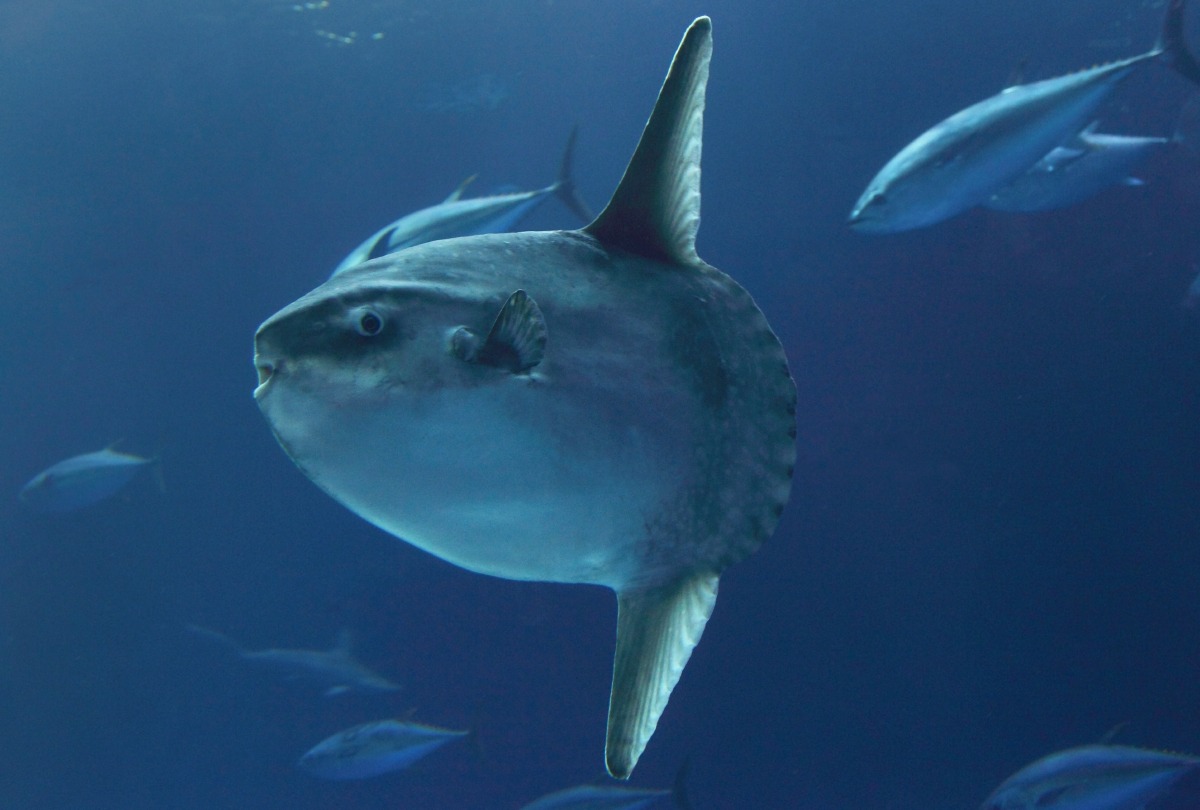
367, 322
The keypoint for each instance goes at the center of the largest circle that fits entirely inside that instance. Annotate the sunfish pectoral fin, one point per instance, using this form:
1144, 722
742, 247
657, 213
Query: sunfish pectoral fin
516, 341
657, 628
655, 210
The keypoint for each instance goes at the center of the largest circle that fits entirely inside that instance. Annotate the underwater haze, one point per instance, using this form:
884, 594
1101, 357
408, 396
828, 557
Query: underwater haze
992, 549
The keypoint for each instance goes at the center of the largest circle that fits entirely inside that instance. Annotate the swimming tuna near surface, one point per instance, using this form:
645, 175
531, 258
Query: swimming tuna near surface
1092, 777
373, 749
595, 406
1070, 174
335, 669
965, 159
82, 480
455, 216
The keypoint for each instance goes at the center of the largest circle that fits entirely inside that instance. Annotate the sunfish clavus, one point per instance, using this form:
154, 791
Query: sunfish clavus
594, 406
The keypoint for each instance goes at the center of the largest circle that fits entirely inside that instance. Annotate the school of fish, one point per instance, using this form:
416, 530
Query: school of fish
653, 487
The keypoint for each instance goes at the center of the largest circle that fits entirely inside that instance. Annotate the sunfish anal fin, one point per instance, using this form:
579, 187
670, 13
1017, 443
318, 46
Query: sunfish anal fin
657, 628
516, 341
655, 211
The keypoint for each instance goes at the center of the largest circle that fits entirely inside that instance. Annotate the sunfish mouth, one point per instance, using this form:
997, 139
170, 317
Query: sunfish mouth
265, 369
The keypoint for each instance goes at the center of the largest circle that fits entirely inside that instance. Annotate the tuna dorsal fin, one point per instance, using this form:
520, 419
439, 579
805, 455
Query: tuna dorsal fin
655, 210
456, 195
656, 631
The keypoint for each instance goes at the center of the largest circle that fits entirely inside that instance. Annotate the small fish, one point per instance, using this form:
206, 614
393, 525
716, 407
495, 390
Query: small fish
596, 406
1070, 174
1092, 777
82, 480
962, 161
597, 797
374, 748
613, 797
335, 669
458, 217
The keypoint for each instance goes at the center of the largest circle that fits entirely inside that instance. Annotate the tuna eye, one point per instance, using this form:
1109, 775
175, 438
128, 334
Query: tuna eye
368, 323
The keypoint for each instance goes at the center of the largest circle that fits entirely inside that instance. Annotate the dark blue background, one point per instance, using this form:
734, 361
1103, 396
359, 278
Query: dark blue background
991, 551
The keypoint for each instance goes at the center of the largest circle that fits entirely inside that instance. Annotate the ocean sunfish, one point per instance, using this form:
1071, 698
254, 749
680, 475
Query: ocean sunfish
594, 406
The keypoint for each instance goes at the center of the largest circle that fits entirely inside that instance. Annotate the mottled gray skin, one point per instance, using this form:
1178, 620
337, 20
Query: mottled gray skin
643, 440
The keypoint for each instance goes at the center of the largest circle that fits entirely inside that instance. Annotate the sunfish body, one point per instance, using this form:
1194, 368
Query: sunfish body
470, 217
962, 161
1070, 174
372, 749
1092, 777
335, 669
596, 406
81, 480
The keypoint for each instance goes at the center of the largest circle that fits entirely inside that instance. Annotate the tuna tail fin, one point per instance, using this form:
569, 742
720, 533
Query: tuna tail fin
565, 188
1172, 45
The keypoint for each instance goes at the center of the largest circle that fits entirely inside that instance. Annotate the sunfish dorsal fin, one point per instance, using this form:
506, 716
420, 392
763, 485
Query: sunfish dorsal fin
456, 195
655, 210
656, 631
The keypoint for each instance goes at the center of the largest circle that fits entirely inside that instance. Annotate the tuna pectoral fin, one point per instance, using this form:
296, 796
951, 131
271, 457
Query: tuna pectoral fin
656, 631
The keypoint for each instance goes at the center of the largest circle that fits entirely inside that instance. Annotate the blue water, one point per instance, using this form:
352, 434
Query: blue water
991, 552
